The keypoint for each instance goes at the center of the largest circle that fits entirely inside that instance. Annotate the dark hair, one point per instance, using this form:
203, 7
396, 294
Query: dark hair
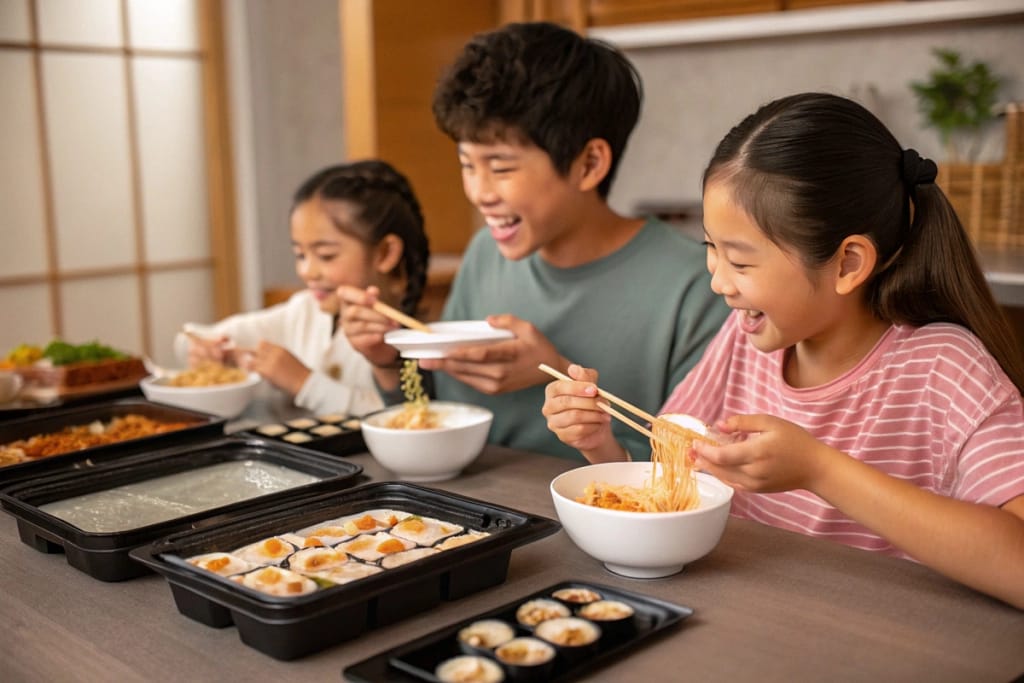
813, 169
386, 205
543, 82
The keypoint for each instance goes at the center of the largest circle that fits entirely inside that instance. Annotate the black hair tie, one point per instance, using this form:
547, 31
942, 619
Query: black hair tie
917, 171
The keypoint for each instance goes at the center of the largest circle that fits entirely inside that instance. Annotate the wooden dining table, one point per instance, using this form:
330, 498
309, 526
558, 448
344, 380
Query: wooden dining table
768, 605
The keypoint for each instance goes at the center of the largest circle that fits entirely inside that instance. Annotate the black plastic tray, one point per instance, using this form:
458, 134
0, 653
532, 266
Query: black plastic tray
206, 427
416, 661
348, 441
105, 556
291, 627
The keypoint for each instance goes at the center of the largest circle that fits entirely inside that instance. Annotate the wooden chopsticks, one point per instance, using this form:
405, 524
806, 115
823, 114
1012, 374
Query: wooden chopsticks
400, 318
607, 395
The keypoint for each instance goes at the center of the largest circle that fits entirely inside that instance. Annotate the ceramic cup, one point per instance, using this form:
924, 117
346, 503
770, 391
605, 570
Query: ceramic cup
10, 385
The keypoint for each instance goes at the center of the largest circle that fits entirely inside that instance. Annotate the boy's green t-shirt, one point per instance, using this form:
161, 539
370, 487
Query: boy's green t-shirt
640, 316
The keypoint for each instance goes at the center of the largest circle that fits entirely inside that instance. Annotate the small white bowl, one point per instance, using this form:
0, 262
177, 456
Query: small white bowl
429, 454
223, 400
643, 545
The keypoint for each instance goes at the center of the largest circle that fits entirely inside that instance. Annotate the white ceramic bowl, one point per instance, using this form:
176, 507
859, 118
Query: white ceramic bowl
429, 454
644, 545
223, 400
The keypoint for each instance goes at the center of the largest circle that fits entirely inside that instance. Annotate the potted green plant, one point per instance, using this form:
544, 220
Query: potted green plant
958, 100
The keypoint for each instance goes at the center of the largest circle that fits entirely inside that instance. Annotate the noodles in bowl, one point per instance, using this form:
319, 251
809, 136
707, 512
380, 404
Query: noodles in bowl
672, 486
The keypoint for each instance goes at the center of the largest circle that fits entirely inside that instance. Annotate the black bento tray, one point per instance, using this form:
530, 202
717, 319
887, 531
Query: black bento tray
416, 660
291, 627
105, 556
348, 441
206, 426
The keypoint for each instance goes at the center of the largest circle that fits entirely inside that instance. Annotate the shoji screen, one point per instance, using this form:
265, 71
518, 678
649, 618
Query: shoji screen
114, 188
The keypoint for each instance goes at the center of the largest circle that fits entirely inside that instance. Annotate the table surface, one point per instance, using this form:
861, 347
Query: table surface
768, 605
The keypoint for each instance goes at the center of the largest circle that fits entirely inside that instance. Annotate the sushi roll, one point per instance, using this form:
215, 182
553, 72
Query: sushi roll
406, 556
297, 437
326, 533
271, 550
613, 616
576, 595
272, 429
462, 539
424, 530
469, 669
372, 547
485, 634
223, 564
347, 573
526, 658
278, 582
331, 418
575, 638
326, 430
352, 423
533, 612
372, 521
316, 559
301, 423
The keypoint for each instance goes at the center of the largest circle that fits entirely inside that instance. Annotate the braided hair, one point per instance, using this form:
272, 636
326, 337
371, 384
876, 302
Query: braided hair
386, 205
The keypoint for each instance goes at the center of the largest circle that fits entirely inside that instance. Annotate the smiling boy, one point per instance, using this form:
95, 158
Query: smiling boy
541, 117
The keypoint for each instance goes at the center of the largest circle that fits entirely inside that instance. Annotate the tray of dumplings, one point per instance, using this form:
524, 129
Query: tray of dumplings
333, 433
299, 578
95, 516
555, 634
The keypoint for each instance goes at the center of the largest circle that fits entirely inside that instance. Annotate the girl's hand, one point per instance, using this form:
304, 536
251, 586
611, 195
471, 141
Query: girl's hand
768, 455
208, 350
365, 327
278, 366
572, 413
504, 366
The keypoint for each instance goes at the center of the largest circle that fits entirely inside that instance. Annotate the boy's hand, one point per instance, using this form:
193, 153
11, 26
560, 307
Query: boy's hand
503, 366
768, 455
365, 327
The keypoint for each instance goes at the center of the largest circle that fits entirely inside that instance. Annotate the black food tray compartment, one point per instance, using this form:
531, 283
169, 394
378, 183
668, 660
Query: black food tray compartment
206, 426
291, 627
105, 555
417, 660
334, 434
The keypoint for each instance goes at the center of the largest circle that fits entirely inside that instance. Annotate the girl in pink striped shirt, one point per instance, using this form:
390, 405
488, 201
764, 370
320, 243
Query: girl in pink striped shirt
871, 382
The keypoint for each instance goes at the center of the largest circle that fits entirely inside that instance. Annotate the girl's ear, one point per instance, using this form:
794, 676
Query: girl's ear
388, 253
593, 164
857, 258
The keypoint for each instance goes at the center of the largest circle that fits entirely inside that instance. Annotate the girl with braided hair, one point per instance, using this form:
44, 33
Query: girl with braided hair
356, 224
870, 381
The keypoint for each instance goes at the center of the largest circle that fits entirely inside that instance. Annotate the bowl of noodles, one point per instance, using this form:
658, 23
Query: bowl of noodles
425, 440
644, 520
209, 388
430, 442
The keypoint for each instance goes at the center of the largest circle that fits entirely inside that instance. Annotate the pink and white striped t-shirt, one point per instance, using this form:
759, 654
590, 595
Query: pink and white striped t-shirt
927, 404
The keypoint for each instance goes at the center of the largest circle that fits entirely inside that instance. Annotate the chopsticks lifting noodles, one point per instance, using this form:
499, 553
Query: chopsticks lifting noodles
400, 318
607, 395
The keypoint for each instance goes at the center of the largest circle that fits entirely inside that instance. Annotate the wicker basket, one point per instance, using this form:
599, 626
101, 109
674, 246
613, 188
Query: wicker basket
989, 198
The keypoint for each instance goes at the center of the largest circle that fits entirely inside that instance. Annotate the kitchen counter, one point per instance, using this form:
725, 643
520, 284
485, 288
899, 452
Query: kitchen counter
769, 605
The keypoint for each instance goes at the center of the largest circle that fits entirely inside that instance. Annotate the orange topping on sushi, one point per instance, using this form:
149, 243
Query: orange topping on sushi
270, 575
361, 544
391, 545
392, 520
313, 542
294, 586
273, 546
218, 563
366, 522
315, 561
412, 525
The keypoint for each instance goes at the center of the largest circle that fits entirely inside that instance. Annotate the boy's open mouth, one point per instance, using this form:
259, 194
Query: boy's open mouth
503, 228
